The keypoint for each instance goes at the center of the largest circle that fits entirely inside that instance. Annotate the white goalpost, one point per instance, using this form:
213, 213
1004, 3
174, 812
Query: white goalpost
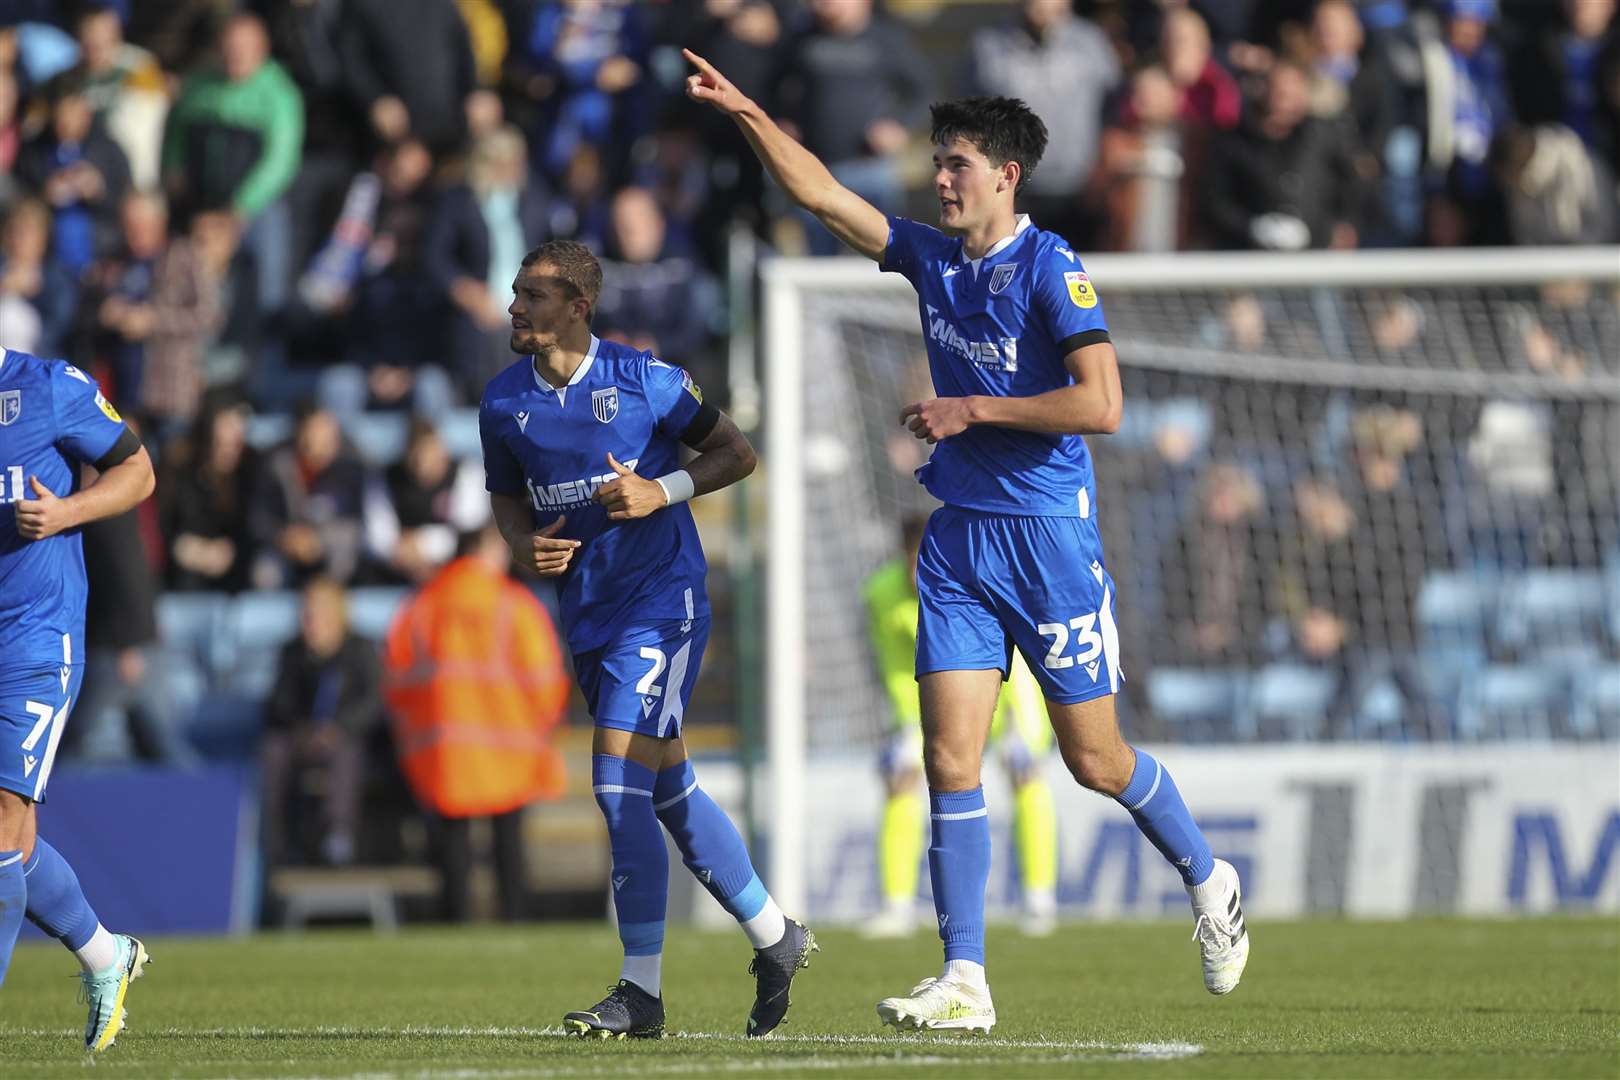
1264, 360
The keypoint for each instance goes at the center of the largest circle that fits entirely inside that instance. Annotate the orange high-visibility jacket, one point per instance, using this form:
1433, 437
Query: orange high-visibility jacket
475, 681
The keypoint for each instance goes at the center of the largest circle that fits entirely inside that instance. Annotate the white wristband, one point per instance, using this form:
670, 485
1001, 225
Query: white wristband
678, 486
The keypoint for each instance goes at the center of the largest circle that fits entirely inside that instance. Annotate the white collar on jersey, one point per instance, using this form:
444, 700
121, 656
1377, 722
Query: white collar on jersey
575, 379
1020, 223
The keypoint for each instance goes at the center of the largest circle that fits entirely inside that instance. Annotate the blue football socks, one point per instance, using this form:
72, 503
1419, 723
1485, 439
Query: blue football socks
714, 851
56, 903
13, 901
624, 791
959, 867
1163, 817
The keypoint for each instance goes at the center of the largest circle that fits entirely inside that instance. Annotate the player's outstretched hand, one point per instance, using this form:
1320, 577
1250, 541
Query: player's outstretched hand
630, 496
43, 515
709, 86
936, 418
549, 555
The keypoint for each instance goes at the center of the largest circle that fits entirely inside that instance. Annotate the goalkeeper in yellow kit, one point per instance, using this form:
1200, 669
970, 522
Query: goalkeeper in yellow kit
1019, 730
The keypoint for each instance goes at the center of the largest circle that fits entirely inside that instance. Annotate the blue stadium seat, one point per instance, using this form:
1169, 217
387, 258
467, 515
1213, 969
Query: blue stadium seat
378, 437
459, 429
1611, 590
1512, 702
1290, 701
190, 622
1596, 712
1454, 608
257, 624
1545, 609
1196, 704
1140, 425
1381, 712
265, 430
371, 609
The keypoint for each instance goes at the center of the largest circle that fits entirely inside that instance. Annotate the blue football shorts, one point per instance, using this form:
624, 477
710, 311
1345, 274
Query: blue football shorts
34, 709
989, 582
642, 680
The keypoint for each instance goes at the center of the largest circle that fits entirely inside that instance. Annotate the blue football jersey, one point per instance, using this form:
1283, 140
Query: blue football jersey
52, 418
1001, 325
550, 446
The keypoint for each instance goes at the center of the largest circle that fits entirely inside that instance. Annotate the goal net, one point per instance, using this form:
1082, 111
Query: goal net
1369, 497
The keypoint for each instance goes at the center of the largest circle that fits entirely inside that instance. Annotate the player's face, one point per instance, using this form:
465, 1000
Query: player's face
543, 307
967, 184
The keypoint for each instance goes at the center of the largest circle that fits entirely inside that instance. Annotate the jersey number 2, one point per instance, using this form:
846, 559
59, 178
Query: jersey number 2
645, 687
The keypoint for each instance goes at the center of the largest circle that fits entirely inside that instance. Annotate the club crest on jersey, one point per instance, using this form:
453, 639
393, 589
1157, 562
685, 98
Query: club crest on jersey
1080, 290
605, 404
10, 406
1001, 277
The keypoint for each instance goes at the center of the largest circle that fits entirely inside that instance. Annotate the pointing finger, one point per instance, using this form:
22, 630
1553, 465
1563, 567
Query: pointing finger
701, 64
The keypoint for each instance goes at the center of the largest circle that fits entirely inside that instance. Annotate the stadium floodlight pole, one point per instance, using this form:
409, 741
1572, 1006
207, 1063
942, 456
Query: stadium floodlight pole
785, 588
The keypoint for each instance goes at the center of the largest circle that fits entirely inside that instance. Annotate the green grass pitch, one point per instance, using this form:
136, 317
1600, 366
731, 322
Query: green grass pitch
1531, 998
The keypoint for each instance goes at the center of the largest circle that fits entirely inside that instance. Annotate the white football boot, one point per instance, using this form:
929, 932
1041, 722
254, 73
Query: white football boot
938, 1004
1223, 940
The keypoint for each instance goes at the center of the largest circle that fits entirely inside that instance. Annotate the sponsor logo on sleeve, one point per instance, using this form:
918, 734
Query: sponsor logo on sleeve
107, 409
1080, 290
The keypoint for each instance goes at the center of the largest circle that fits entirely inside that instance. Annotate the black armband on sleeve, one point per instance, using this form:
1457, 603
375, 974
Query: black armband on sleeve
702, 424
126, 445
1081, 340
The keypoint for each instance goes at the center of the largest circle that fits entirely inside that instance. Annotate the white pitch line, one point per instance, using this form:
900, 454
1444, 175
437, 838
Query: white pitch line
1057, 1051
1142, 1049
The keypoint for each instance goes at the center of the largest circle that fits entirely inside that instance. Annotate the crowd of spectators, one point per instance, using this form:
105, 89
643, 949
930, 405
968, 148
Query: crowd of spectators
216, 206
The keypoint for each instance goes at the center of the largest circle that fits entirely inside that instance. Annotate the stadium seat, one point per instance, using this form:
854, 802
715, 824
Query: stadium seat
257, 624
1141, 425
372, 608
1548, 609
1611, 602
459, 430
265, 430
1198, 705
1596, 712
190, 622
1289, 701
1454, 609
378, 437
1381, 712
1512, 702
189, 625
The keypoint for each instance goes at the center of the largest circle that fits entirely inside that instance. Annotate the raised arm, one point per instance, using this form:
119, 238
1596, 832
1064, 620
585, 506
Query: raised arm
1092, 405
799, 172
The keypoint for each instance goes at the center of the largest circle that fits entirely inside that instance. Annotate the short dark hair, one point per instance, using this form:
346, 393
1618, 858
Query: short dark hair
1003, 129
576, 266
